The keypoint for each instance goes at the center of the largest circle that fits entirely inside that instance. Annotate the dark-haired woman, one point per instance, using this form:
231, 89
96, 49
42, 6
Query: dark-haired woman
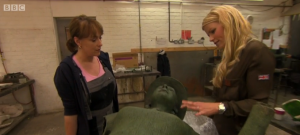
85, 81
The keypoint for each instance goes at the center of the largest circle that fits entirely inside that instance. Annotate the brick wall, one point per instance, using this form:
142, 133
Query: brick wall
29, 41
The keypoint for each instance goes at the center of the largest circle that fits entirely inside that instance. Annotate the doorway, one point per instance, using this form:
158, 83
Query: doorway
62, 29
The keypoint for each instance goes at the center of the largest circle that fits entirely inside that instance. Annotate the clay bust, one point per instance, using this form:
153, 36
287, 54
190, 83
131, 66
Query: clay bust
162, 115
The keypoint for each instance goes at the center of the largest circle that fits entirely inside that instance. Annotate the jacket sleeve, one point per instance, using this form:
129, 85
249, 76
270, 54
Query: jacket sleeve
160, 65
258, 81
64, 89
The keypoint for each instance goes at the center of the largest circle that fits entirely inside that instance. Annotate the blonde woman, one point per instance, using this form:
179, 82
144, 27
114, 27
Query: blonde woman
245, 74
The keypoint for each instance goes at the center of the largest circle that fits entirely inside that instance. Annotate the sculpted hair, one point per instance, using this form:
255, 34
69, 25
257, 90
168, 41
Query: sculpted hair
237, 31
82, 27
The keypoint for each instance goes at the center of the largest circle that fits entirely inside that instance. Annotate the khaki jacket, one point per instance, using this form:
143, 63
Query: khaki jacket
249, 81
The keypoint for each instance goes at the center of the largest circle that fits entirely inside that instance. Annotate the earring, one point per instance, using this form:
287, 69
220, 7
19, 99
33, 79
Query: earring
79, 47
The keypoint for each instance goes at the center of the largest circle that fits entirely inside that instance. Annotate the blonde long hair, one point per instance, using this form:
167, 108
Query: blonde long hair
237, 30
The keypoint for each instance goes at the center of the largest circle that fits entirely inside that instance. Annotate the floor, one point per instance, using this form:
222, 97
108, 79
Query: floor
53, 124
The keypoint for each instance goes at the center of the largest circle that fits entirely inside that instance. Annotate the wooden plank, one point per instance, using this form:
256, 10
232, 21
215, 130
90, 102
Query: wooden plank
173, 49
284, 46
136, 74
123, 53
280, 46
130, 89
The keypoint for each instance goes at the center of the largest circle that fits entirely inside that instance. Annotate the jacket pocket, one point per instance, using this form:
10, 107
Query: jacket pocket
232, 88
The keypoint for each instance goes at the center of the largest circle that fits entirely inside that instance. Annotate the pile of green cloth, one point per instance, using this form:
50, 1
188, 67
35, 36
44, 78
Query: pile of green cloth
141, 121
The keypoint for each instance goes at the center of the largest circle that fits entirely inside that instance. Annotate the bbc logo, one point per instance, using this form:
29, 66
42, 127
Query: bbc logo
14, 7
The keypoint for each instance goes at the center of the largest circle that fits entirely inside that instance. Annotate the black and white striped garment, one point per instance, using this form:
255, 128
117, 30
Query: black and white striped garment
101, 90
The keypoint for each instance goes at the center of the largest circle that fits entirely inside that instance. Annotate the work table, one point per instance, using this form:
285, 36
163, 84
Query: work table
287, 125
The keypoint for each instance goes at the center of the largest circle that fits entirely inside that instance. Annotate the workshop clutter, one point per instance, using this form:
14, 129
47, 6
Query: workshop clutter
12, 113
7, 112
187, 35
127, 62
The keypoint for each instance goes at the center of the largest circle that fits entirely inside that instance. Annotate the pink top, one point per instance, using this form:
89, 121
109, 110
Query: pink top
89, 77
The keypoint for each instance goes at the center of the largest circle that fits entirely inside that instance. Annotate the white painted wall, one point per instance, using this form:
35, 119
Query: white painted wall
28, 39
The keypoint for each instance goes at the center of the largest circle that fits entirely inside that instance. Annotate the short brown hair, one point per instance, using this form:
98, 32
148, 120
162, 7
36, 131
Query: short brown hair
82, 27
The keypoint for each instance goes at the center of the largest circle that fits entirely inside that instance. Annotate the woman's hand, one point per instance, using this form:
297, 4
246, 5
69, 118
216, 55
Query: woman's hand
202, 108
289, 56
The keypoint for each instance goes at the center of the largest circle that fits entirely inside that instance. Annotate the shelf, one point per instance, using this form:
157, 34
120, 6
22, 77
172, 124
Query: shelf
15, 87
173, 49
136, 74
16, 121
287, 125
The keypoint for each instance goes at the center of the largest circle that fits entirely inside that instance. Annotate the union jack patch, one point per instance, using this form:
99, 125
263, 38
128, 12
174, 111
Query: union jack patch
263, 77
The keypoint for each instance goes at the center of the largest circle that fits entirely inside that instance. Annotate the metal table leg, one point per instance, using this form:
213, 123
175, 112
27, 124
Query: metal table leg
31, 90
277, 91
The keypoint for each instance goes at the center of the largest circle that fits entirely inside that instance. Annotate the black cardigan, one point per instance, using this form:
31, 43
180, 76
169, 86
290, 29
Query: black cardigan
70, 89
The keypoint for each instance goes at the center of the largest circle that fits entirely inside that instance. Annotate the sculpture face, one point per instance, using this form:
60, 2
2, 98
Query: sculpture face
164, 96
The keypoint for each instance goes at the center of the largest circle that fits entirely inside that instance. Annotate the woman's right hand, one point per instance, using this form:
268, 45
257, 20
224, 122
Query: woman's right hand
289, 56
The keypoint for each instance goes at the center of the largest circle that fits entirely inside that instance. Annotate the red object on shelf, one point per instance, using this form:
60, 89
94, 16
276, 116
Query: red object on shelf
186, 34
279, 111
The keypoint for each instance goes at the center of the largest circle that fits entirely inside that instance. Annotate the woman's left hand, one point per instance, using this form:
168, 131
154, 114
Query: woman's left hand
202, 108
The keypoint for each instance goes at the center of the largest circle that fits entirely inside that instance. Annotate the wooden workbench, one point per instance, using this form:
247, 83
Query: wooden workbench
173, 49
136, 74
121, 75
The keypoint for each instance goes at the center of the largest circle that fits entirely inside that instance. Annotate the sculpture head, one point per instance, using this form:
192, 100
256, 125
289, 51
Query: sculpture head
166, 94
164, 98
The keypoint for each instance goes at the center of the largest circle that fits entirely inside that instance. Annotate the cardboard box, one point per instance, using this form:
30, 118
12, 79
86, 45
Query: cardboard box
127, 59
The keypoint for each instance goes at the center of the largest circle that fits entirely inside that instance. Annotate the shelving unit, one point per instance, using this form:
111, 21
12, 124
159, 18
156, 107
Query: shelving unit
136, 74
207, 85
16, 121
26, 113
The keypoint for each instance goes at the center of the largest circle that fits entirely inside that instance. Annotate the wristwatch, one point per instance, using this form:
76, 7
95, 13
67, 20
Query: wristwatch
222, 108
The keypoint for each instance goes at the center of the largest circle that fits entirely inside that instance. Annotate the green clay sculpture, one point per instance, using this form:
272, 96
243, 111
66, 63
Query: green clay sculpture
162, 115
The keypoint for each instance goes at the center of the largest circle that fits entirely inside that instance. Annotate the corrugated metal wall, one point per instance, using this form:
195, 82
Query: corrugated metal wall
186, 67
294, 36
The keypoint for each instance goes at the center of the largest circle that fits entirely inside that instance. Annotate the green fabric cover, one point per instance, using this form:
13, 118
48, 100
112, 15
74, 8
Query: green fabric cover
141, 121
258, 120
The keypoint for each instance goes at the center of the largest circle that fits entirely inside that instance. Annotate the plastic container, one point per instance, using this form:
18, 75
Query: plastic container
279, 113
